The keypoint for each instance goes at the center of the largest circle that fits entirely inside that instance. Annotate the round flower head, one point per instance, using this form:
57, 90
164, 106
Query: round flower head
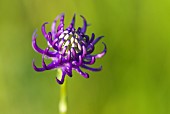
69, 49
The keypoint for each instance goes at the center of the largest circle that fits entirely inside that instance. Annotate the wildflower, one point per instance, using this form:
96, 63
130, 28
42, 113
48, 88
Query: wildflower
69, 49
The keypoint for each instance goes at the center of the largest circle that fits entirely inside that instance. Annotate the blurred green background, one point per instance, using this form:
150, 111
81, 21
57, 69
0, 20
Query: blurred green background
136, 69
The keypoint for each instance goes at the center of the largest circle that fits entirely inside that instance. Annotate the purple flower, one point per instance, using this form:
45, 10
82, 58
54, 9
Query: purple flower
69, 49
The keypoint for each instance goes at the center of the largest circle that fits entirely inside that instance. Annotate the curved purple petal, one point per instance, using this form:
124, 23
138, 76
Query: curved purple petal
102, 53
92, 38
73, 52
80, 60
97, 39
84, 51
50, 38
62, 78
83, 29
77, 62
86, 38
36, 68
44, 31
43, 63
58, 33
60, 44
50, 53
53, 27
69, 70
91, 69
84, 74
69, 73
34, 43
91, 61
61, 25
54, 44
72, 23
63, 50
51, 66
78, 30
90, 48
68, 55
60, 59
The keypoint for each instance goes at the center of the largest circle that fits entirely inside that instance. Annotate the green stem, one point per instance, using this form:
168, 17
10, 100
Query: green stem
63, 96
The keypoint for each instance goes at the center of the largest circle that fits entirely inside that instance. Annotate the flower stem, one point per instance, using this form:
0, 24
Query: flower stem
63, 97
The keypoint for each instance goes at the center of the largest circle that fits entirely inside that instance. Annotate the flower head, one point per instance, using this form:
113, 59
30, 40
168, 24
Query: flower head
69, 49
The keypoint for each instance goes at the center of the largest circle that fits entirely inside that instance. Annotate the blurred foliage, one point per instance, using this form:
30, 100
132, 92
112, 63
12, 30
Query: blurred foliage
135, 78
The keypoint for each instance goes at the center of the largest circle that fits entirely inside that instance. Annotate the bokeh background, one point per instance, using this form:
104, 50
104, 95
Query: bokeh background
136, 69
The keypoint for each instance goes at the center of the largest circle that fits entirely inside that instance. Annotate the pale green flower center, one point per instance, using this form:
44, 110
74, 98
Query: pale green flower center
71, 40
